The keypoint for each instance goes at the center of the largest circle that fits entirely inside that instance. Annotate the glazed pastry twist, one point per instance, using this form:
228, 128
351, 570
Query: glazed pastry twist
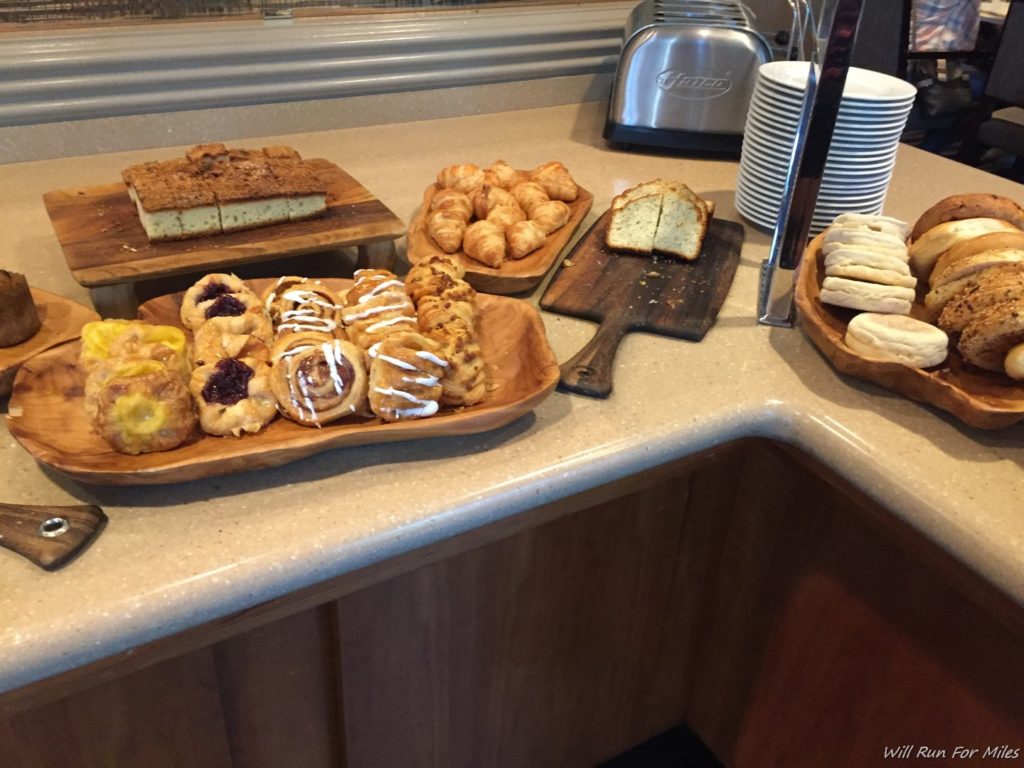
296, 305
405, 377
377, 307
432, 276
233, 396
446, 307
317, 378
249, 335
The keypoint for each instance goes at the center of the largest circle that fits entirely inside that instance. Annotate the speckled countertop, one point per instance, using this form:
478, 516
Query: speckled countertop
176, 556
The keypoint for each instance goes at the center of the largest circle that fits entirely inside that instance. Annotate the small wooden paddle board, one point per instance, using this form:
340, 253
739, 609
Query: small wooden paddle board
625, 293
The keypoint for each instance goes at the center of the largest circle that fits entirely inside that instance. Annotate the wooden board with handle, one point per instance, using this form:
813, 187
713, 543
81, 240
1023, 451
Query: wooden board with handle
627, 293
104, 243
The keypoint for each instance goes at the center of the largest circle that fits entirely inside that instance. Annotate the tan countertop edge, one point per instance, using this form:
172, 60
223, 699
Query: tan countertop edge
177, 556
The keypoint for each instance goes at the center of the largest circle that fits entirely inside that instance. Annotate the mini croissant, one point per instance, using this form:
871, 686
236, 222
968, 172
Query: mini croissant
528, 194
452, 200
556, 181
501, 174
524, 238
485, 241
485, 198
506, 215
551, 215
447, 228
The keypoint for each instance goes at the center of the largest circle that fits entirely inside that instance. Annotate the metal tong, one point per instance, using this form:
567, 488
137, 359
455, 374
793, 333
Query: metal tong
825, 83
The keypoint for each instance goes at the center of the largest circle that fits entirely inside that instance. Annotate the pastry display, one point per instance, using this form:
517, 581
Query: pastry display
215, 189
135, 391
318, 378
658, 217
217, 295
497, 213
405, 377
298, 305
19, 318
234, 396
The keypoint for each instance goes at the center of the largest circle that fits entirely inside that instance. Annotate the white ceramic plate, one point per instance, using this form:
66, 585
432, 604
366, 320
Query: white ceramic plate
861, 84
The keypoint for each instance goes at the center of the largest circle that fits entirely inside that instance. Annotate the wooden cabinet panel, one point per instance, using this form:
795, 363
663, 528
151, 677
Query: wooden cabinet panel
279, 688
166, 716
563, 645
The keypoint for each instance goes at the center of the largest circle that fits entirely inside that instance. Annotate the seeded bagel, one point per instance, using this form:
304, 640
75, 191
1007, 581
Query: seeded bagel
926, 250
992, 333
995, 285
970, 206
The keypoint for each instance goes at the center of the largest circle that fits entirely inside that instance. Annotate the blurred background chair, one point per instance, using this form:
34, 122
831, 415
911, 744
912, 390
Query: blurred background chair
1002, 127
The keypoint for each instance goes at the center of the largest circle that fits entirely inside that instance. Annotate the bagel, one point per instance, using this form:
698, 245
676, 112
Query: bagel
991, 334
898, 339
973, 246
976, 262
926, 249
995, 285
970, 206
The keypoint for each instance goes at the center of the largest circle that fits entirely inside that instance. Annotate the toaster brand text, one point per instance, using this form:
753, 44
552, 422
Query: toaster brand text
686, 85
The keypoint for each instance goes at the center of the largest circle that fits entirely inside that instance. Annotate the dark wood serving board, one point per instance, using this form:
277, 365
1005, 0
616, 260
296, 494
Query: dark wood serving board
104, 242
627, 293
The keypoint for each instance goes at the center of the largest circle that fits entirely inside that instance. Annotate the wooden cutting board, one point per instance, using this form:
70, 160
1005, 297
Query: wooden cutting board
99, 231
627, 293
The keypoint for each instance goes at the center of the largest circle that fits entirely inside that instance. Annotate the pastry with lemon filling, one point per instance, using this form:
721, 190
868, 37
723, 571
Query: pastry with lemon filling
139, 406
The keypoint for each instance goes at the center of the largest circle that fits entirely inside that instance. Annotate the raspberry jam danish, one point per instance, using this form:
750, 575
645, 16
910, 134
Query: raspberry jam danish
317, 378
217, 295
234, 396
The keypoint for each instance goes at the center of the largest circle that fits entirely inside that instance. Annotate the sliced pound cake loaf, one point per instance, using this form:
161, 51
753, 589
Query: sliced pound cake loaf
659, 217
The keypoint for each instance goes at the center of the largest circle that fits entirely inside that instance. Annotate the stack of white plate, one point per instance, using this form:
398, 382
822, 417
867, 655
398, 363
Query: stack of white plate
871, 119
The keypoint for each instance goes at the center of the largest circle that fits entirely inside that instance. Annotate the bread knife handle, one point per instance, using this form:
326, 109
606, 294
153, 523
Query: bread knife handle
50, 537
589, 372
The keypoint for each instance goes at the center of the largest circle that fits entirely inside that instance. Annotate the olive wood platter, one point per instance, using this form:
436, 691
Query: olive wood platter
104, 243
625, 292
514, 275
61, 320
53, 427
980, 398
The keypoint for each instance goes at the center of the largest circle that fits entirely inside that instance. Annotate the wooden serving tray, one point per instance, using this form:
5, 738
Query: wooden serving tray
515, 275
980, 398
62, 320
53, 427
104, 243
625, 292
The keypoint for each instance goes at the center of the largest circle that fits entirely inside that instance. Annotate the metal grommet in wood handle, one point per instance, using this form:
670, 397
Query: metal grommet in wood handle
50, 537
589, 372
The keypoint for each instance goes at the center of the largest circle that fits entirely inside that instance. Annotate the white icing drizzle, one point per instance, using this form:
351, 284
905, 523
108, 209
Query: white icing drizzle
425, 355
425, 407
389, 322
351, 317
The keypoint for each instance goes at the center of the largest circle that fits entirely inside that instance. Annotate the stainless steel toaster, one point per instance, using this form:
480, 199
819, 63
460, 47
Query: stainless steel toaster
685, 75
